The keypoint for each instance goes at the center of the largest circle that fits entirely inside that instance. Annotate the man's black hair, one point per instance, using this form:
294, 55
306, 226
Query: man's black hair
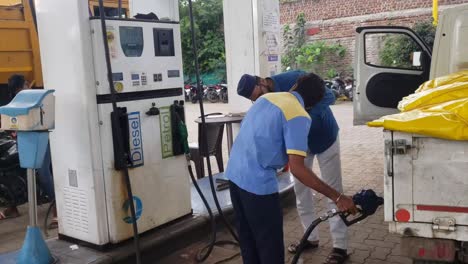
257, 80
311, 87
15, 83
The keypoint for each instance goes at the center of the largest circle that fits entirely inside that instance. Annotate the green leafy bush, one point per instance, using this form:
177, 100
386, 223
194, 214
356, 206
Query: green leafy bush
309, 56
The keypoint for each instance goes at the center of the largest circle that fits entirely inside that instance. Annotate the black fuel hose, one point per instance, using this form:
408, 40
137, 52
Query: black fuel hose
202, 112
49, 210
367, 201
205, 252
122, 155
300, 247
204, 146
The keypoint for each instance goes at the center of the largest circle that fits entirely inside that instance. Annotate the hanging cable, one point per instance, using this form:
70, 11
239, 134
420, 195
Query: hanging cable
119, 146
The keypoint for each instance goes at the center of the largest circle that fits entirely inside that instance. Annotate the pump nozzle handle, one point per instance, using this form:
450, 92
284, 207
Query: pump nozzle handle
367, 202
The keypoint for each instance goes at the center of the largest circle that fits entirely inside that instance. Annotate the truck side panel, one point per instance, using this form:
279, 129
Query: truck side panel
19, 45
428, 193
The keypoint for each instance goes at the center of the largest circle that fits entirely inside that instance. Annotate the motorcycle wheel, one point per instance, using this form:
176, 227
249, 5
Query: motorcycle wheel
224, 97
212, 96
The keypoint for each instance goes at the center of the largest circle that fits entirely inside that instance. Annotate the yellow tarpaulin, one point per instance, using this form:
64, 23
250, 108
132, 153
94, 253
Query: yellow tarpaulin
439, 108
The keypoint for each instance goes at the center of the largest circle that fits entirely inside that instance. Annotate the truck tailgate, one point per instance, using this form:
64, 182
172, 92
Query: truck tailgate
440, 180
426, 180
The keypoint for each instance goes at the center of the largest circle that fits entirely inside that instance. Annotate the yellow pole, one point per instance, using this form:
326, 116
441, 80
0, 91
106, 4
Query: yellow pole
435, 11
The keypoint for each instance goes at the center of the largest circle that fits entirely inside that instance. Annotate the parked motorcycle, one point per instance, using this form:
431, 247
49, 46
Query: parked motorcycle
349, 88
211, 94
193, 94
223, 93
187, 87
340, 88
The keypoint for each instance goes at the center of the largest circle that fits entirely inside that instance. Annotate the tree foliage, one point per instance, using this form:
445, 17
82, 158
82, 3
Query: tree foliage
309, 56
293, 41
398, 48
313, 55
209, 31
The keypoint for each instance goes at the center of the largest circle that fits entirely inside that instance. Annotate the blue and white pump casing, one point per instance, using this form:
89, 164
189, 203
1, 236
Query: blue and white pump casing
32, 114
30, 110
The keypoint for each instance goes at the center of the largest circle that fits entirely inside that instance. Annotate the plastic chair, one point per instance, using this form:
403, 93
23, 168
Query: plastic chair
214, 135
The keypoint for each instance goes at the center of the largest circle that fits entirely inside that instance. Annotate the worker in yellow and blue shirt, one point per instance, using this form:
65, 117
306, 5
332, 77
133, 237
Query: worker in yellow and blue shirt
324, 144
273, 132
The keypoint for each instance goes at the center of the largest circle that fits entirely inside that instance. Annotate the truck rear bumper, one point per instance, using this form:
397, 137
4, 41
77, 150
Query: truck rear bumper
431, 249
426, 230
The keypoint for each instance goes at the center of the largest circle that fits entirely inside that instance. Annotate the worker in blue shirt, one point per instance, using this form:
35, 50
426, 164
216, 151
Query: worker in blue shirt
273, 132
323, 142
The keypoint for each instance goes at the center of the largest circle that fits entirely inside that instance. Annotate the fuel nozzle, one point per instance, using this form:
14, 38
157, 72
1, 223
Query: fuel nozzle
184, 137
367, 202
153, 110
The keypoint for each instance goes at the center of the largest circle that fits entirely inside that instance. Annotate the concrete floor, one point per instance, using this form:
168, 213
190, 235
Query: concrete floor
362, 165
12, 231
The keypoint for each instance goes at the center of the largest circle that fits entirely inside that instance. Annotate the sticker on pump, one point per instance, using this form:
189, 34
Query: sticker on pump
136, 141
13, 123
166, 132
118, 86
138, 210
110, 32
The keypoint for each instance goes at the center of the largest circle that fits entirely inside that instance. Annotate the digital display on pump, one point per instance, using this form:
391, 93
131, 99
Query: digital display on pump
131, 40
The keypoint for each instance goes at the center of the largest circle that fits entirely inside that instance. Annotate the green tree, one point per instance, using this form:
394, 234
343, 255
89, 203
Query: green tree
398, 48
426, 31
293, 41
209, 30
308, 56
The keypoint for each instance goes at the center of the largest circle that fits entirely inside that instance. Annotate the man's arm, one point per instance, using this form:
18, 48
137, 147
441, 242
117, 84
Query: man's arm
295, 133
310, 179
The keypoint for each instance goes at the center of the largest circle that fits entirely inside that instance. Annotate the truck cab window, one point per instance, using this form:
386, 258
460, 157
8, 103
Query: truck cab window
393, 50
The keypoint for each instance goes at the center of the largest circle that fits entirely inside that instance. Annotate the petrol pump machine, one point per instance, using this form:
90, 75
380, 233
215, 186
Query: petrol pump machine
146, 59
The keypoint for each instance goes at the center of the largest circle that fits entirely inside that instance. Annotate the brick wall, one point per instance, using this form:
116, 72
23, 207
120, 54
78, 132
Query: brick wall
335, 21
328, 9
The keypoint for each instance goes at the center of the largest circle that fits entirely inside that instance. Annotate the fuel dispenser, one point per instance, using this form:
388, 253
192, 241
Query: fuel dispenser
146, 58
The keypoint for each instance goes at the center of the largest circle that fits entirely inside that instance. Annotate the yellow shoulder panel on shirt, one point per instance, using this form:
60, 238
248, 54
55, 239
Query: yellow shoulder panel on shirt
288, 104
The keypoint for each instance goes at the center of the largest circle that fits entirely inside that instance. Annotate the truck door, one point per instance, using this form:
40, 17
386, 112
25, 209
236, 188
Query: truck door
390, 63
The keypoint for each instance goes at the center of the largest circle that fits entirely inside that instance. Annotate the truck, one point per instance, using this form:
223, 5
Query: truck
19, 44
425, 178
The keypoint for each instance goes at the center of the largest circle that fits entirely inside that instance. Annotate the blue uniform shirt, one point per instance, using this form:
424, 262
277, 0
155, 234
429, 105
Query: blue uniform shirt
275, 126
324, 129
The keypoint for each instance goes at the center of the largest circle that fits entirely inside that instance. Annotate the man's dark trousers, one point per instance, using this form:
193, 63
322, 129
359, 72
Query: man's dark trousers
259, 225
